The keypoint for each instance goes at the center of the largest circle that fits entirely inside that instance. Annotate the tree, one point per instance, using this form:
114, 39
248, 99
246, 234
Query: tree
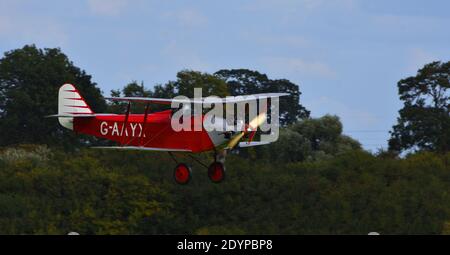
185, 83
132, 89
187, 80
424, 121
310, 139
244, 81
29, 83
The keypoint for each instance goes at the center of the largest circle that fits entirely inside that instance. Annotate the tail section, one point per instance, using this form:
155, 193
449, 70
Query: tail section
70, 102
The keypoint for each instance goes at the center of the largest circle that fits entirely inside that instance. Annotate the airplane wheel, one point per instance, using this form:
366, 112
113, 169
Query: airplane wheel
216, 172
182, 174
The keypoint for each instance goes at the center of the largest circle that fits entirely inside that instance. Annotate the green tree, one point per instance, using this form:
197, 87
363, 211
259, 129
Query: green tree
310, 139
29, 83
132, 89
424, 121
244, 81
185, 83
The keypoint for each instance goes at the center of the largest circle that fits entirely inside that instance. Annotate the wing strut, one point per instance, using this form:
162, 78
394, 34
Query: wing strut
144, 125
122, 133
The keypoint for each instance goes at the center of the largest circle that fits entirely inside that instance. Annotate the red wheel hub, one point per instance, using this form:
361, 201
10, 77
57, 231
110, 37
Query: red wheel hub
182, 174
216, 172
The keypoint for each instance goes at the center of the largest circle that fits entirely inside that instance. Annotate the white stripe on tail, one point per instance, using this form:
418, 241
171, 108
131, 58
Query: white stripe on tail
70, 102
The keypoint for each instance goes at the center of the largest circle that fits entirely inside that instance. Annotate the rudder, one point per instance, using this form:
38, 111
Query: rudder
70, 102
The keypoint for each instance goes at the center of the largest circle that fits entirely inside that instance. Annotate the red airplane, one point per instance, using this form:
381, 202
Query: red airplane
153, 131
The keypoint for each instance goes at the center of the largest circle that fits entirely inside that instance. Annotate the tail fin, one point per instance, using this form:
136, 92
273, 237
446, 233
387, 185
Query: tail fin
70, 102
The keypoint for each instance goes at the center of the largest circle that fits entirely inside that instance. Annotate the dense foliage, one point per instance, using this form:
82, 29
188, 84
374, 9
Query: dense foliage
94, 192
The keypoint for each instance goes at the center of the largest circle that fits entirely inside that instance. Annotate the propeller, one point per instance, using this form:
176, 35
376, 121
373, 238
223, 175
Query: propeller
251, 127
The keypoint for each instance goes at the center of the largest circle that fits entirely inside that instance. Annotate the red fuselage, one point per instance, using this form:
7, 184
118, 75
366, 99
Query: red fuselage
156, 132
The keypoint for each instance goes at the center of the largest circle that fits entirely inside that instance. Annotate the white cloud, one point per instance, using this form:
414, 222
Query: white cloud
320, 4
298, 67
5, 25
278, 40
301, 5
417, 58
107, 7
187, 18
181, 57
352, 117
32, 29
406, 22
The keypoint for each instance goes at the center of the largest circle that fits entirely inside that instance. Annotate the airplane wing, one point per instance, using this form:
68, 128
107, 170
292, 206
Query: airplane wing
230, 99
144, 99
79, 115
140, 148
251, 144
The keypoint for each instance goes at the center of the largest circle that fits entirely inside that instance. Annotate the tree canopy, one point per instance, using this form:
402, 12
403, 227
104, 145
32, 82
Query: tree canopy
308, 140
187, 80
49, 191
245, 82
29, 83
424, 122
132, 89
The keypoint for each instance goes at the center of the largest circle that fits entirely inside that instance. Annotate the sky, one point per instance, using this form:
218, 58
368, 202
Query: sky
346, 55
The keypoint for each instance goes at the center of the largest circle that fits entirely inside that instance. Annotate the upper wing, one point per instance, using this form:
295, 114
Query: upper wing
142, 99
140, 148
202, 100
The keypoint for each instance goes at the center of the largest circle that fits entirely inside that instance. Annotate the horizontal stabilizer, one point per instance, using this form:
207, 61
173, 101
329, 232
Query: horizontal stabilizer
251, 144
139, 148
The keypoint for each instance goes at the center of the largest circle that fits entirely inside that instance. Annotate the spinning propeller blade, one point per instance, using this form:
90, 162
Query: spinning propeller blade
252, 127
235, 140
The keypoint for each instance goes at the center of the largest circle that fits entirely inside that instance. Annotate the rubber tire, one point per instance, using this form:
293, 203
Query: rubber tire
189, 172
212, 172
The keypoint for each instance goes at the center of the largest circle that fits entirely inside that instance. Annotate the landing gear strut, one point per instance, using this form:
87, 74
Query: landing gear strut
216, 171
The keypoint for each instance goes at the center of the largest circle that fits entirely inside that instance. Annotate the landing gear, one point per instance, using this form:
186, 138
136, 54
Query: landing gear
216, 172
182, 174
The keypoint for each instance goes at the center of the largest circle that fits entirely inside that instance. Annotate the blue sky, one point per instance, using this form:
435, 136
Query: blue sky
346, 55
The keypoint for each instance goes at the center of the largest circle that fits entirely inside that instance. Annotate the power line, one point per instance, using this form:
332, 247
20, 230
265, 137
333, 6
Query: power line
366, 131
